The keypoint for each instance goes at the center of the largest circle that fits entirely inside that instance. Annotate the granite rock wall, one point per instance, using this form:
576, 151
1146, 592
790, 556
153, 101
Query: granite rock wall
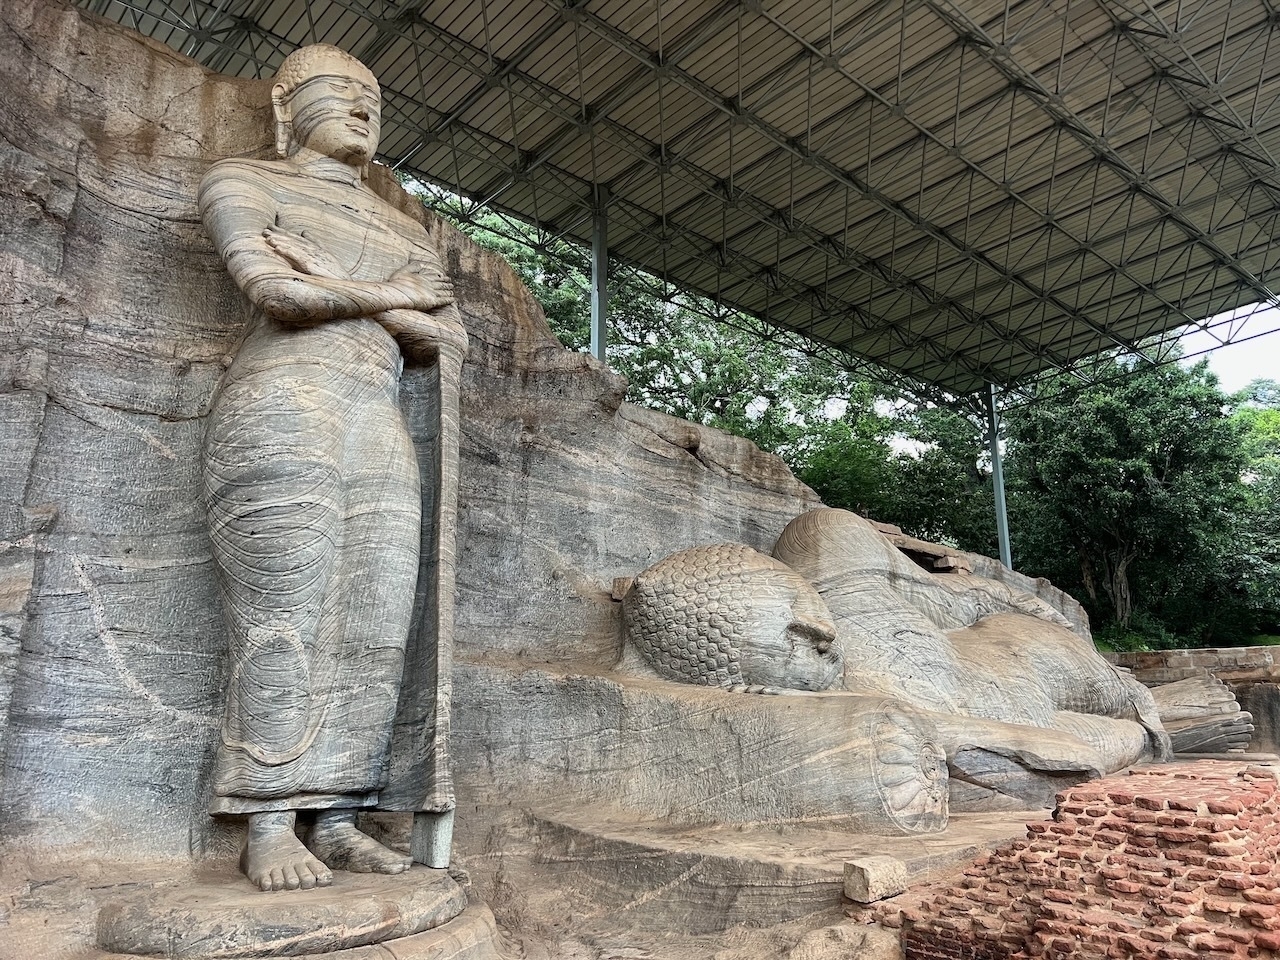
119, 320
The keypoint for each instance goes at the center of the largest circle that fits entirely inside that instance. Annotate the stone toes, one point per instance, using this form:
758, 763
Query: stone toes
277, 878
309, 873
291, 879
322, 874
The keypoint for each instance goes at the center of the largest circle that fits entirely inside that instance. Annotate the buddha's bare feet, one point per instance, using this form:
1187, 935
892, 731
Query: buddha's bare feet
275, 859
337, 842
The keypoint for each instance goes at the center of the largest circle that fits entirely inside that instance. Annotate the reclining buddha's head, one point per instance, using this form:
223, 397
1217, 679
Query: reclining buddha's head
726, 615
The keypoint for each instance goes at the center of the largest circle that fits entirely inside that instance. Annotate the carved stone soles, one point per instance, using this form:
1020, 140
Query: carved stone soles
1202, 715
1221, 734
222, 917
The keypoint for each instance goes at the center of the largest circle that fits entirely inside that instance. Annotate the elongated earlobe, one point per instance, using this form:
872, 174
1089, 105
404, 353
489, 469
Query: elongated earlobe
280, 107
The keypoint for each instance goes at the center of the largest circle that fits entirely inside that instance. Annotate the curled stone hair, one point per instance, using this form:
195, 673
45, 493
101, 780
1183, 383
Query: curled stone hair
296, 69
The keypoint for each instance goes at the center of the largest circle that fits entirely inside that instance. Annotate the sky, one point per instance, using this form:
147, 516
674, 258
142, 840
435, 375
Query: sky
1242, 361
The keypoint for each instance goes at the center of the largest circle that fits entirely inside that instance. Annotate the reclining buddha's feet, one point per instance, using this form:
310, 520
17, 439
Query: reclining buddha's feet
275, 859
337, 842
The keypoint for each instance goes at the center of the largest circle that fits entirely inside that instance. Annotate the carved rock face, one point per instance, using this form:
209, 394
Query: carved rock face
727, 615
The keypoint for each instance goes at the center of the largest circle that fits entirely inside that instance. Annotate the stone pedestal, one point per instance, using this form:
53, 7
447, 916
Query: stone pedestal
221, 916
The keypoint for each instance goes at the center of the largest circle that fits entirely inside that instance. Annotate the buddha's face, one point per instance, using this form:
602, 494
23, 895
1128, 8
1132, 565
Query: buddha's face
338, 114
788, 639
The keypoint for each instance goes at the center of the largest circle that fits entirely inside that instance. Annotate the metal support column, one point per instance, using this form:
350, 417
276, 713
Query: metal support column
997, 475
600, 275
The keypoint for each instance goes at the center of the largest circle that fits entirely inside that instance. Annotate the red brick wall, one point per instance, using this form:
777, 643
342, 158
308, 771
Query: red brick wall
1173, 862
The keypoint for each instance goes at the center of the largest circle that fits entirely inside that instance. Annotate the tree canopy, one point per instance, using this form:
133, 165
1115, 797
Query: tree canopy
1132, 488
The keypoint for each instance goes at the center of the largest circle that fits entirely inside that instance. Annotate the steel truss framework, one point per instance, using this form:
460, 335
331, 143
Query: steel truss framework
964, 192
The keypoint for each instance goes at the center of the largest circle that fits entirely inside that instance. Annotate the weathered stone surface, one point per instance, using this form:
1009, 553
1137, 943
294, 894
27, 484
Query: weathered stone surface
728, 616
1217, 734
220, 917
472, 935
1229, 664
990, 568
1249, 676
1262, 701
967, 645
1021, 706
713, 878
930, 556
1194, 698
874, 878
110, 364
987, 778
17, 574
313, 491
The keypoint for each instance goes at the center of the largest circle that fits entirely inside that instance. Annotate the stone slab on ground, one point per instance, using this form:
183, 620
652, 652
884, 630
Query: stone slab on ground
869, 879
472, 935
49, 909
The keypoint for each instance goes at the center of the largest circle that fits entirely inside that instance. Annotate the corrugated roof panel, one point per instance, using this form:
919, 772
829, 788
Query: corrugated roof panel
791, 178
757, 59
1073, 135
680, 110
640, 20
794, 112
454, 17
571, 60
510, 25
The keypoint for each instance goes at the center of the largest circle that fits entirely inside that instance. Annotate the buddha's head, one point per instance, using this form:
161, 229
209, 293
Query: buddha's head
326, 100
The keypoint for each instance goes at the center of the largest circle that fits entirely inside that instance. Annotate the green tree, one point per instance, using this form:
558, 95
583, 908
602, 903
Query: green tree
742, 377
943, 489
849, 461
1137, 481
1258, 528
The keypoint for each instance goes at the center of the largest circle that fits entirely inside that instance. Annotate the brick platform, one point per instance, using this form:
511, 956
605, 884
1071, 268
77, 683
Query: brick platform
1172, 862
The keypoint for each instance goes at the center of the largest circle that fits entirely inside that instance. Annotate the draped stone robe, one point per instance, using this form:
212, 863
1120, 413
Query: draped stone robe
313, 498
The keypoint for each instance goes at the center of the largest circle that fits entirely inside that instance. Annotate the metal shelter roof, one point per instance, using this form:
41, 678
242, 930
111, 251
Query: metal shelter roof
962, 191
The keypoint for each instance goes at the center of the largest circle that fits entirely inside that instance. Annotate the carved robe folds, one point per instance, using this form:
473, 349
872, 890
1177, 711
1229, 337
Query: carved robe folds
314, 505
